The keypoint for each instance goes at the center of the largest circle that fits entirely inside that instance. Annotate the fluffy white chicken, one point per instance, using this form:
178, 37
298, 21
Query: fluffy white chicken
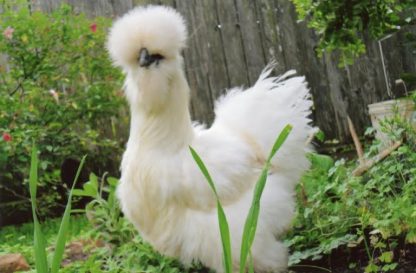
161, 189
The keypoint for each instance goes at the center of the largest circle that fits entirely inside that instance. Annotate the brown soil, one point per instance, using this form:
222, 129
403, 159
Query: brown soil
339, 261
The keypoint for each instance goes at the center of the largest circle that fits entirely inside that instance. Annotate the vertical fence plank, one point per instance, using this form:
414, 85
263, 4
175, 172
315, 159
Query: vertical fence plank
145, 2
270, 34
170, 3
253, 47
286, 24
232, 43
91, 8
315, 71
201, 100
212, 49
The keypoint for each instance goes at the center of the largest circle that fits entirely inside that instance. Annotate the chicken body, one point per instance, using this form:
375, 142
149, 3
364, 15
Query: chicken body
162, 191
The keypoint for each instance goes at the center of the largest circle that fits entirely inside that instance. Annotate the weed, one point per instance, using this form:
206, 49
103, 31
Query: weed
253, 214
374, 213
41, 261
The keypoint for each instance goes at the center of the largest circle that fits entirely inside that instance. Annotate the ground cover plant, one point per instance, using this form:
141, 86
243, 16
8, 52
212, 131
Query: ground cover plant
56, 86
370, 219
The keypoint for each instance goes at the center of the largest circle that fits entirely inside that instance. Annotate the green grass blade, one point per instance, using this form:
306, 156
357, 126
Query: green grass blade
33, 176
222, 219
251, 264
204, 170
280, 140
63, 229
41, 262
225, 238
250, 225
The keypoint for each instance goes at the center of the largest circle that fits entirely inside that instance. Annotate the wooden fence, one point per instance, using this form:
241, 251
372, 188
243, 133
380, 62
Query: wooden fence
231, 41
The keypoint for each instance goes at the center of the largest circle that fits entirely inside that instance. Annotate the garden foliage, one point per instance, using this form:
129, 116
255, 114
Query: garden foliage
375, 212
344, 25
57, 86
40, 251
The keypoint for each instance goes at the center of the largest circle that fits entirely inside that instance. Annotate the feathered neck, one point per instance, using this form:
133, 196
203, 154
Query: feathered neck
168, 129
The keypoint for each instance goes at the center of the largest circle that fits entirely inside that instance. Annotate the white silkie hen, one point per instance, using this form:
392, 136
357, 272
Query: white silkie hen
161, 190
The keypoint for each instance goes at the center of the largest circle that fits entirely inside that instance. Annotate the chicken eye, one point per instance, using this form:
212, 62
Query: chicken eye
145, 59
157, 57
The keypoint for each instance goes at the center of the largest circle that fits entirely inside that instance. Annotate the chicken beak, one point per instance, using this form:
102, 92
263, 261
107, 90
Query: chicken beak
144, 58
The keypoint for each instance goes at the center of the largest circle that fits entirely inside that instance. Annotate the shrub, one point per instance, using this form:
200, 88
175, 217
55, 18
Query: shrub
59, 89
343, 25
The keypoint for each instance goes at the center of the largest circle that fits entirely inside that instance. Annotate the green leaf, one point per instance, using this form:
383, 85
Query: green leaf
63, 230
89, 189
386, 257
112, 181
250, 226
203, 169
222, 219
371, 267
79, 192
280, 140
389, 267
225, 238
323, 162
39, 240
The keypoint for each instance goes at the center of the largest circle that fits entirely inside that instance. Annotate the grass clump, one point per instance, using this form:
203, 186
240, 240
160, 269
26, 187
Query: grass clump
253, 214
40, 253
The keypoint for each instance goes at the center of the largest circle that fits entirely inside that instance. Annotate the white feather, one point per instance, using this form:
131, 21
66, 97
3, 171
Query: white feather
163, 192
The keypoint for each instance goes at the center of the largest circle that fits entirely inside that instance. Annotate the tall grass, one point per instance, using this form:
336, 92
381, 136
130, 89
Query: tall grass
41, 261
222, 219
253, 214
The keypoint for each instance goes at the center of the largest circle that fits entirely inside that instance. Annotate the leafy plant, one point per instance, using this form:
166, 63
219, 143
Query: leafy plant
372, 214
343, 25
103, 210
39, 240
253, 214
57, 86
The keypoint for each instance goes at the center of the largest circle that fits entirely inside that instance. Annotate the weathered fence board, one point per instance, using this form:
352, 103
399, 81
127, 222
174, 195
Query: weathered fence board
253, 47
213, 55
271, 35
90, 7
230, 42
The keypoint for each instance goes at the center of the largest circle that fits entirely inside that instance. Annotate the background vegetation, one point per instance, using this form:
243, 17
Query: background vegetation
58, 88
344, 26
369, 219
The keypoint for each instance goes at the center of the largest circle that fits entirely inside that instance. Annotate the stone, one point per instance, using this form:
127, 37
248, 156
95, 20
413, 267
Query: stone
13, 262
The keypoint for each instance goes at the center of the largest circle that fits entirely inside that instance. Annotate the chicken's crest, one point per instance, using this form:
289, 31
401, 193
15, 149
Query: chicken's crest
158, 29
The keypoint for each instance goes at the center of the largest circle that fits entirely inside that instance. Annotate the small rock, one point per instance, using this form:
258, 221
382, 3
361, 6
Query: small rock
10, 263
80, 250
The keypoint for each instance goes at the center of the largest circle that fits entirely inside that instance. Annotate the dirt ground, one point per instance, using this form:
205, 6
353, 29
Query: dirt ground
339, 262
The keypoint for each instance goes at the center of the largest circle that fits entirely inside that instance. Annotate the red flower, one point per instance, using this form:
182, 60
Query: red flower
93, 27
7, 137
8, 33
